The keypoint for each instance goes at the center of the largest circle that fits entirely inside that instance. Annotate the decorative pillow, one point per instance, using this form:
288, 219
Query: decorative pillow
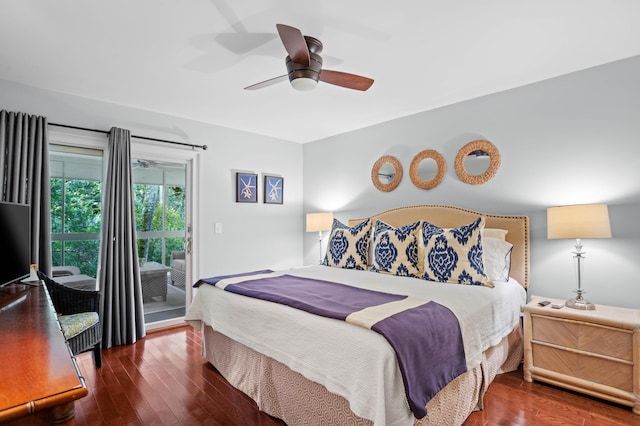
395, 250
494, 233
454, 255
497, 258
348, 246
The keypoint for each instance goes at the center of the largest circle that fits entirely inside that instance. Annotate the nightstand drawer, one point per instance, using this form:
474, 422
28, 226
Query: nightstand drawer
584, 366
588, 337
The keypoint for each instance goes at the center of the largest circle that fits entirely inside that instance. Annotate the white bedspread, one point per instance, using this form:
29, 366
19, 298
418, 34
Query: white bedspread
351, 361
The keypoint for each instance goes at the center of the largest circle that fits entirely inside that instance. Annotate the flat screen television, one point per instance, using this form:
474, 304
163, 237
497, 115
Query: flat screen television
15, 237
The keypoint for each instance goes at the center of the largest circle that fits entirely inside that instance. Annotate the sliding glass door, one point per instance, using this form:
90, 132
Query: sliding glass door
162, 178
160, 195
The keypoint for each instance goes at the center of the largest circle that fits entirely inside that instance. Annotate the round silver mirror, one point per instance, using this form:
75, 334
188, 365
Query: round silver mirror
477, 162
386, 173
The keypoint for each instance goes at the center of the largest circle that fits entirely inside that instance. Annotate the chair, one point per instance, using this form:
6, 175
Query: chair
79, 316
64, 271
178, 268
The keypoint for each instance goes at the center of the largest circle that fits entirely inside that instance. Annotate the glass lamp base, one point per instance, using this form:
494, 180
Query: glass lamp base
580, 303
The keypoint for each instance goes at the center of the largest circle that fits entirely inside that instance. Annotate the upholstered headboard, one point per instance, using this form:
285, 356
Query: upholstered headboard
451, 217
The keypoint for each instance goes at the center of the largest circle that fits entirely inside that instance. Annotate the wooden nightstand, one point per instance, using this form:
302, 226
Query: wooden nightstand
594, 352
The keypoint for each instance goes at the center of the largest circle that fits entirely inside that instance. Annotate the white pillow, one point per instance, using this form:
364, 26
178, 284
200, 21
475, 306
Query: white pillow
497, 258
494, 233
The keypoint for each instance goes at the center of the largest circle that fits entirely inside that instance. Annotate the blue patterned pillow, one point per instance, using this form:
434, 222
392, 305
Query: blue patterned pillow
395, 250
348, 246
454, 255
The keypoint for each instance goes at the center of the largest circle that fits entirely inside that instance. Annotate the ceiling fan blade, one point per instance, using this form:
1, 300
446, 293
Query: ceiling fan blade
267, 83
294, 43
343, 79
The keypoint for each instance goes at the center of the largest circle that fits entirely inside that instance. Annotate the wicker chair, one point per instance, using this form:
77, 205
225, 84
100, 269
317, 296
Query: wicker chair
178, 268
79, 317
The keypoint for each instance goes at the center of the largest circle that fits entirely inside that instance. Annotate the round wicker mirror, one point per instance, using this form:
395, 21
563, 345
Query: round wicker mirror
386, 173
478, 152
421, 171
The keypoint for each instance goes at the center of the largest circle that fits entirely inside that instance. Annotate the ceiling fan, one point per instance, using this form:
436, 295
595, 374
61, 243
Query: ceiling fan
304, 65
152, 164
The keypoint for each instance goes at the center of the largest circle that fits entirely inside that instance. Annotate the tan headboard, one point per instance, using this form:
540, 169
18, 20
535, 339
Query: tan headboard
451, 217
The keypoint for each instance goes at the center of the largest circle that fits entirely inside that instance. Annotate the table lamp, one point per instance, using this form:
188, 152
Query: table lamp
319, 222
578, 221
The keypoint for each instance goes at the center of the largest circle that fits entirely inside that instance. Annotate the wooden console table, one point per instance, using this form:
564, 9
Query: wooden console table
39, 377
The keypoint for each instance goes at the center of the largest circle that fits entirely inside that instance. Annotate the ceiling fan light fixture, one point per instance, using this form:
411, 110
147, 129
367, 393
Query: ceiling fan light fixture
304, 77
304, 84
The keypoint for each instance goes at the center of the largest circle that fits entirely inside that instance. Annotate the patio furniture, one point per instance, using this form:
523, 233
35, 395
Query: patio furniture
178, 268
153, 276
64, 271
80, 281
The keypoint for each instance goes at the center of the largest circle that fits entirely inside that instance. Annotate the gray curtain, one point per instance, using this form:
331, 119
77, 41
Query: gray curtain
118, 273
24, 162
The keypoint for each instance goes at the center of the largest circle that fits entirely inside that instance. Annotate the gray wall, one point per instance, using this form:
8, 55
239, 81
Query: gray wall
569, 140
573, 139
254, 236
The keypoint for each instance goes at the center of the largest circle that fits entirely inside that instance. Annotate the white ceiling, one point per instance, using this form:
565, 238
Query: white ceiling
192, 58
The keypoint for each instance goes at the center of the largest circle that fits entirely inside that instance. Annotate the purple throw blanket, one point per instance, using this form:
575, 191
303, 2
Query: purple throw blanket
427, 339
214, 280
325, 298
428, 343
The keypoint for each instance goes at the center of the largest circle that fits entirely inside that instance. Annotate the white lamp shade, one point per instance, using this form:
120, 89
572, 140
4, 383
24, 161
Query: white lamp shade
318, 222
578, 221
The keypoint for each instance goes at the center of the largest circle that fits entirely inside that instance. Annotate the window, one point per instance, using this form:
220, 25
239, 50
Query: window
76, 188
159, 200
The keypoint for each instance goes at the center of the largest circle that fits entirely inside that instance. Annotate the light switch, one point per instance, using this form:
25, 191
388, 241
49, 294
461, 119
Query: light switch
218, 228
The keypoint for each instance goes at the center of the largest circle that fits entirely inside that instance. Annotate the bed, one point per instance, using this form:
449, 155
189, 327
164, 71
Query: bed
310, 369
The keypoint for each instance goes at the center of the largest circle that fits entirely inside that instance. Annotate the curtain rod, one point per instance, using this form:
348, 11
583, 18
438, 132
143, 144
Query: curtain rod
203, 147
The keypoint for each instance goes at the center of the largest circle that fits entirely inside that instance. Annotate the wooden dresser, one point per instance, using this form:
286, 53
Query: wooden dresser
594, 352
39, 377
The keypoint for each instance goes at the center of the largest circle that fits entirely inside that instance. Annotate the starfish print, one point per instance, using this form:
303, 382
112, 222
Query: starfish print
247, 189
273, 189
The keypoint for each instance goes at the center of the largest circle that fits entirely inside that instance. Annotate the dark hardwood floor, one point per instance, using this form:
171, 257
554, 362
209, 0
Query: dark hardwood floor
164, 380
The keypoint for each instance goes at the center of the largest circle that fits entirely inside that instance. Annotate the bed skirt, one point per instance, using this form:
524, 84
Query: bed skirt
286, 394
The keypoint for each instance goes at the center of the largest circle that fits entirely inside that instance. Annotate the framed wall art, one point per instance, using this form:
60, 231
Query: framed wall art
273, 189
246, 187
